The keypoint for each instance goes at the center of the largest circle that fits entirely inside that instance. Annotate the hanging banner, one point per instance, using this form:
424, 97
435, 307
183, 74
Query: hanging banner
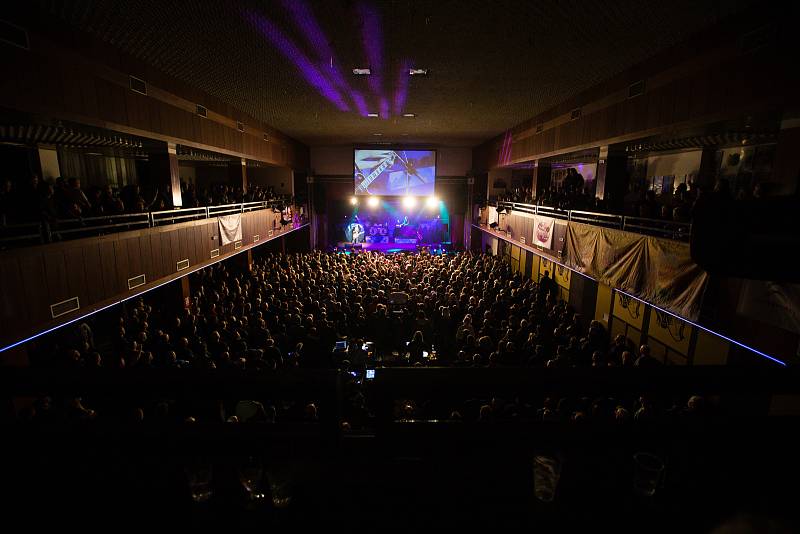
230, 228
543, 231
492, 216
659, 271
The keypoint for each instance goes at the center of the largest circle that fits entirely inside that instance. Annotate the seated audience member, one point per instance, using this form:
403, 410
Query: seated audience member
645, 359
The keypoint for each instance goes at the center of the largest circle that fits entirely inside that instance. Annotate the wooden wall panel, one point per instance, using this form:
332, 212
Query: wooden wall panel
148, 268
698, 102
154, 113
168, 118
683, 94
609, 121
36, 297
138, 110
73, 92
171, 249
191, 244
201, 251
703, 81
161, 248
12, 315
653, 108
76, 275
92, 266
96, 270
248, 229
108, 266
111, 101
183, 244
123, 264
135, 267
640, 106
56, 277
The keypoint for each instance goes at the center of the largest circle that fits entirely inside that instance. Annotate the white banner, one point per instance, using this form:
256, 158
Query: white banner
492, 217
543, 231
230, 228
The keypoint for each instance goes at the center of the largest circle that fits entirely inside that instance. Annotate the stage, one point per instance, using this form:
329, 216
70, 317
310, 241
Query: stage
387, 248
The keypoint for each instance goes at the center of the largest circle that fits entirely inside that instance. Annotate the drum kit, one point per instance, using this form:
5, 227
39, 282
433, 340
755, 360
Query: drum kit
378, 229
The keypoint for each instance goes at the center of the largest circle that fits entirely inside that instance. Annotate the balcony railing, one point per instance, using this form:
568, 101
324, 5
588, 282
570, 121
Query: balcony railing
32, 233
678, 231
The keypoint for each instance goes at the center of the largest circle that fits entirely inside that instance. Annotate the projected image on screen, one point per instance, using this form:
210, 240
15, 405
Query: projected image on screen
394, 172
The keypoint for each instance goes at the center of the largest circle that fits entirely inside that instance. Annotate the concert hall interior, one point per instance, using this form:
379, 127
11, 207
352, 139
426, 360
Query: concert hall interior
400, 265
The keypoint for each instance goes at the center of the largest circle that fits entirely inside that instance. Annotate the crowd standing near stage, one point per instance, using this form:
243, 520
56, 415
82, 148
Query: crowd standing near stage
290, 310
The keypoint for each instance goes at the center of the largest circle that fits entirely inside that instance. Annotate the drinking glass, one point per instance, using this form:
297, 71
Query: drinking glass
199, 476
251, 475
546, 474
648, 469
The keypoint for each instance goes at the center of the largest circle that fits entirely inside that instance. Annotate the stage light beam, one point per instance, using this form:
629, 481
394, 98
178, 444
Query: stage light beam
372, 202
354, 201
409, 202
432, 202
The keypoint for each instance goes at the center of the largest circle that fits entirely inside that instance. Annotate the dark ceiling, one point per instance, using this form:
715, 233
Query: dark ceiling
492, 64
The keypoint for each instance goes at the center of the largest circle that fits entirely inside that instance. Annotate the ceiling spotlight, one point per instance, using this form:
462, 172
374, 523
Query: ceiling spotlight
372, 115
418, 72
432, 202
409, 115
372, 202
362, 72
409, 202
377, 134
354, 201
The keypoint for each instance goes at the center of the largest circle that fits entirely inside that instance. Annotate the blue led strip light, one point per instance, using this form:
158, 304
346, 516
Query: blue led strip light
701, 327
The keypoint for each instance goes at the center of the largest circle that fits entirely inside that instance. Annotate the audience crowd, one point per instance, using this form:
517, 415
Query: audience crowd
47, 204
572, 194
290, 310
40, 200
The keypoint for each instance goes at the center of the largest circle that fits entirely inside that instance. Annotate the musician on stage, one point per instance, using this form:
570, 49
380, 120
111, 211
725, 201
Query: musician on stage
357, 231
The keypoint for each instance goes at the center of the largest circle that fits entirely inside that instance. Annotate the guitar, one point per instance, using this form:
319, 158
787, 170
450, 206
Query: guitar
385, 163
357, 233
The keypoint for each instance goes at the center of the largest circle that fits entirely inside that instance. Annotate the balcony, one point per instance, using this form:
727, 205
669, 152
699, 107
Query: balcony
35, 233
678, 231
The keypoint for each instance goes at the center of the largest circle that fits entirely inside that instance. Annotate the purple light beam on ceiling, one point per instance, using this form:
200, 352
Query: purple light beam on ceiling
384, 108
372, 39
360, 103
326, 62
505, 149
307, 69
